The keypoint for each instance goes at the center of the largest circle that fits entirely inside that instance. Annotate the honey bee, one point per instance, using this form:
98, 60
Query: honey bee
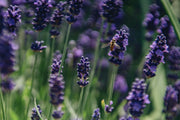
112, 44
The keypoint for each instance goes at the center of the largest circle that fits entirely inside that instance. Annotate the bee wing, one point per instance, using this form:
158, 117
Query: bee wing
105, 45
117, 46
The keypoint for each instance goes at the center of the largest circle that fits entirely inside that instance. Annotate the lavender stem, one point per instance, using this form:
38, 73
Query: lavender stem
37, 109
80, 101
50, 112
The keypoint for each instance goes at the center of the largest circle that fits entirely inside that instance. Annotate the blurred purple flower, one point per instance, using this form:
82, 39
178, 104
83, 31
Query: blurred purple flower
177, 88
96, 114
137, 98
37, 46
34, 115
1, 21
128, 118
57, 114
109, 108
155, 56
7, 85
56, 63
120, 84
83, 71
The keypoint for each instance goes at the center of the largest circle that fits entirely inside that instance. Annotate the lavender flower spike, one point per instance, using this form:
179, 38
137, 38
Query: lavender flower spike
13, 17
109, 108
137, 98
96, 115
35, 115
118, 45
155, 56
7, 85
56, 85
57, 114
42, 11
83, 71
37, 46
56, 63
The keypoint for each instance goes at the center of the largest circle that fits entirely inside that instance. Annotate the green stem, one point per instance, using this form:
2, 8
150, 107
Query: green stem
94, 65
37, 109
50, 111
172, 17
112, 79
33, 74
80, 101
65, 47
2, 106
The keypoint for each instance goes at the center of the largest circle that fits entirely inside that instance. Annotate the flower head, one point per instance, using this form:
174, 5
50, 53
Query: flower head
137, 98
120, 84
57, 114
111, 9
109, 108
7, 85
118, 45
42, 11
56, 63
34, 115
56, 85
155, 56
37, 46
13, 17
96, 114
83, 71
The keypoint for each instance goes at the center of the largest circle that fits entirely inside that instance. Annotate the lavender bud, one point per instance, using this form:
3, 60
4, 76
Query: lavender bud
170, 102
56, 85
118, 45
13, 17
83, 71
56, 64
7, 85
155, 56
42, 11
167, 29
34, 115
37, 46
127, 118
111, 9
151, 21
137, 98
57, 114
96, 114
109, 108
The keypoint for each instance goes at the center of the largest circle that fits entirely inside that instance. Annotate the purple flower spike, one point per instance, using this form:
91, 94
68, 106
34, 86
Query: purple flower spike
83, 71
7, 85
42, 11
111, 9
128, 118
118, 45
96, 114
1, 21
56, 85
155, 56
109, 108
56, 63
170, 102
120, 84
137, 98
13, 17
34, 115
37, 46
167, 29
151, 21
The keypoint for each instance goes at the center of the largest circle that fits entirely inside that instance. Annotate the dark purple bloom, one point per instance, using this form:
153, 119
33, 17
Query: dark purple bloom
7, 55
128, 118
74, 10
155, 56
111, 9
7, 85
170, 102
37, 46
120, 84
13, 17
109, 108
137, 98
56, 85
34, 115
151, 21
118, 45
42, 11
96, 114
83, 71
177, 88
1, 21
167, 29
57, 114
56, 63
